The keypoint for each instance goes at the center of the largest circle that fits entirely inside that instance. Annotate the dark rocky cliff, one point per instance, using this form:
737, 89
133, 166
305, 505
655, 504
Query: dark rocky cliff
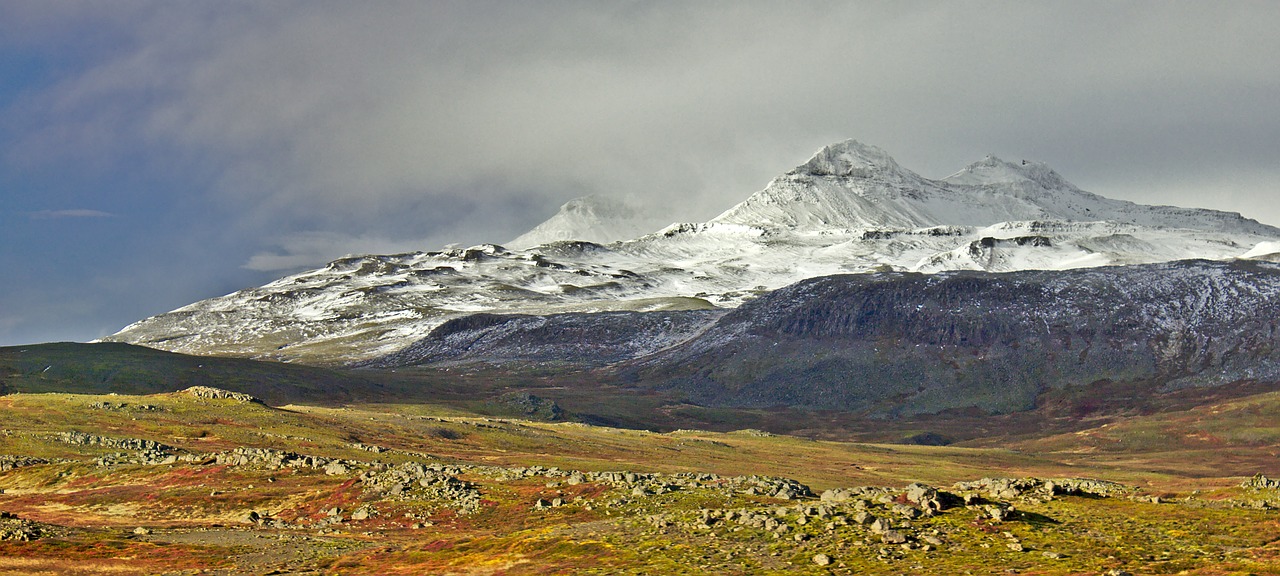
581, 339
901, 343
894, 344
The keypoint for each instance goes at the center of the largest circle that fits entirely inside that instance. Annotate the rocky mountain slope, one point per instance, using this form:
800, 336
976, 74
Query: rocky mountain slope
904, 343
576, 339
850, 208
894, 343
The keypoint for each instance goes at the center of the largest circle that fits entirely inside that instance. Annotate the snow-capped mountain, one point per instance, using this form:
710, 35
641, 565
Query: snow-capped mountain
596, 219
855, 186
851, 208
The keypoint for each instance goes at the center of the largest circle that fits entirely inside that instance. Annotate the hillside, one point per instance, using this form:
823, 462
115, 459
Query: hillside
116, 368
185, 483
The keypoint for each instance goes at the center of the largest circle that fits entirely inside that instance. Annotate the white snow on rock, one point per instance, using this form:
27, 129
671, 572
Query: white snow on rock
850, 208
1263, 250
595, 219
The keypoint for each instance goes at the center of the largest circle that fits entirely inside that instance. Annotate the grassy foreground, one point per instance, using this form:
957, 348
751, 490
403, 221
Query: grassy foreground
194, 483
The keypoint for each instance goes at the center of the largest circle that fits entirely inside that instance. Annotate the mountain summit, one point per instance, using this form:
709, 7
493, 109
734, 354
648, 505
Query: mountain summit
992, 171
850, 208
592, 218
845, 185
851, 185
850, 159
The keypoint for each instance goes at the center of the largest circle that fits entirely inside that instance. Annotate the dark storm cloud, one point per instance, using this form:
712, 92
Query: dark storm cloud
313, 129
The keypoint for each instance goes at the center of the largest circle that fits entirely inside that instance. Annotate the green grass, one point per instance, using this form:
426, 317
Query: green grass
1192, 450
126, 369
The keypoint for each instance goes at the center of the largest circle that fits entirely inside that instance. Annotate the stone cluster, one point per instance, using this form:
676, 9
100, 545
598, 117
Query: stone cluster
211, 393
83, 439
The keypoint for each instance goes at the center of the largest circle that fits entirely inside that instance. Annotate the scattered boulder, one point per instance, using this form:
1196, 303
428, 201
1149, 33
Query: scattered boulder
908, 512
83, 439
893, 537
415, 480
838, 495
930, 499
109, 406
9, 461
526, 405
17, 529
118, 406
1260, 482
927, 439
141, 457
211, 393
1014, 488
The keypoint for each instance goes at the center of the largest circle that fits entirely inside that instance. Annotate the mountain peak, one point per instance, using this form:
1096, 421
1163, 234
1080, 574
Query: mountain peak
993, 170
595, 204
594, 218
844, 185
849, 158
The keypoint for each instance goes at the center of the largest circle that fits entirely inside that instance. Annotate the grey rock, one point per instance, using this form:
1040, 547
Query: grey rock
1260, 482
893, 537
908, 512
211, 393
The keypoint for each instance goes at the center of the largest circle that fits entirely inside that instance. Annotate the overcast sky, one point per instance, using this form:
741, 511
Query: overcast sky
156, 153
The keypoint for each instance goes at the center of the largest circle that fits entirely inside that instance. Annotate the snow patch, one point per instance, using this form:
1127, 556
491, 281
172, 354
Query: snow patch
1263, 249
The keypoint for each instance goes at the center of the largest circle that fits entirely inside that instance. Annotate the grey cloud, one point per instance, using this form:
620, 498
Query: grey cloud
248, 139
346, 115
303, 250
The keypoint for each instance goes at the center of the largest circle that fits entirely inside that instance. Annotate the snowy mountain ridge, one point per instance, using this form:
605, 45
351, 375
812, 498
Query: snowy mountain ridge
850, 208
